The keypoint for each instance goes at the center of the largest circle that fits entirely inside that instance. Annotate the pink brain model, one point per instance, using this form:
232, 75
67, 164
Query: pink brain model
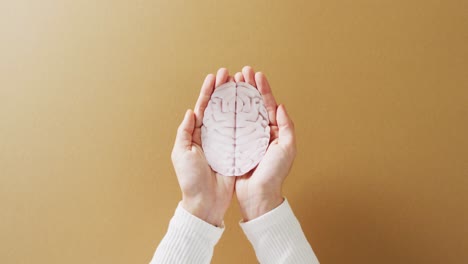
235, 132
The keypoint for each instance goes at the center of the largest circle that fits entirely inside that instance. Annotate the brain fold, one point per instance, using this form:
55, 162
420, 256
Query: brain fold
235, 132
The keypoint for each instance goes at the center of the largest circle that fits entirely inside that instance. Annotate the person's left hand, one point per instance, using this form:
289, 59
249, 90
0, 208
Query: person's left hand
205, 193
260, 190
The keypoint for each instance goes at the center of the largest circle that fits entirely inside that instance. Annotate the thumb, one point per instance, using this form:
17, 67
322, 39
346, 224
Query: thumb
183, 139
285, 127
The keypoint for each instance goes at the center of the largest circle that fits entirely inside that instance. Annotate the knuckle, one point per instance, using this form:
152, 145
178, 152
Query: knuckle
180, 129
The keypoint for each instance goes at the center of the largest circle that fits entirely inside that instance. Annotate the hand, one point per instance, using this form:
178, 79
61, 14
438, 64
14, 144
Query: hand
205, 193
259, 191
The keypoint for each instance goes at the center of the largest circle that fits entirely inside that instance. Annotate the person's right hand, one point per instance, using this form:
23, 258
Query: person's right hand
205, 193
259, 191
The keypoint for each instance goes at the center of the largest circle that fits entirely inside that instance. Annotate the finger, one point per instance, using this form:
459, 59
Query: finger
205, 95
221, 76
249, 77
228, 182
196, 136
238, 77
183, 139
268, 98
286, 127
230, 79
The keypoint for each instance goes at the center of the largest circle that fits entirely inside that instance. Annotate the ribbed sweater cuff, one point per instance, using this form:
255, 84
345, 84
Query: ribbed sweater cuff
277, 237
188, 224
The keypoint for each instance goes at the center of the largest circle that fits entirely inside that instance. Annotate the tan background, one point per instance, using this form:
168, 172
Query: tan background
91, 93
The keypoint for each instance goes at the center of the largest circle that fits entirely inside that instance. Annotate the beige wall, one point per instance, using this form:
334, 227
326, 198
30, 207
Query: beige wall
91, 93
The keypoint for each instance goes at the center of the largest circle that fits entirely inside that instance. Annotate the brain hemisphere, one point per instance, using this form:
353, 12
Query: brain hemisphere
235, 132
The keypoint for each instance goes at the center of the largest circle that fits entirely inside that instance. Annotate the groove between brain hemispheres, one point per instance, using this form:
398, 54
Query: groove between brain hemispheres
235, 132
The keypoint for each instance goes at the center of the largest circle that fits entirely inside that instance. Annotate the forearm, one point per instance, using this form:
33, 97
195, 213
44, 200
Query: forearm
188, 240
277, 237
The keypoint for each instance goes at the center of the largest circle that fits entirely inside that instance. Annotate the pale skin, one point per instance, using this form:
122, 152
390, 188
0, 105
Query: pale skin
207, 194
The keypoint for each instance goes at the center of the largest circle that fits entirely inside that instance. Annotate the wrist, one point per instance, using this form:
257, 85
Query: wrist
204, 211
259, 205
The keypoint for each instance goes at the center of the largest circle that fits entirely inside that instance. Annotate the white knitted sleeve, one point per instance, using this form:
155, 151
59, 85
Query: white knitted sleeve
188, 240
277, 237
